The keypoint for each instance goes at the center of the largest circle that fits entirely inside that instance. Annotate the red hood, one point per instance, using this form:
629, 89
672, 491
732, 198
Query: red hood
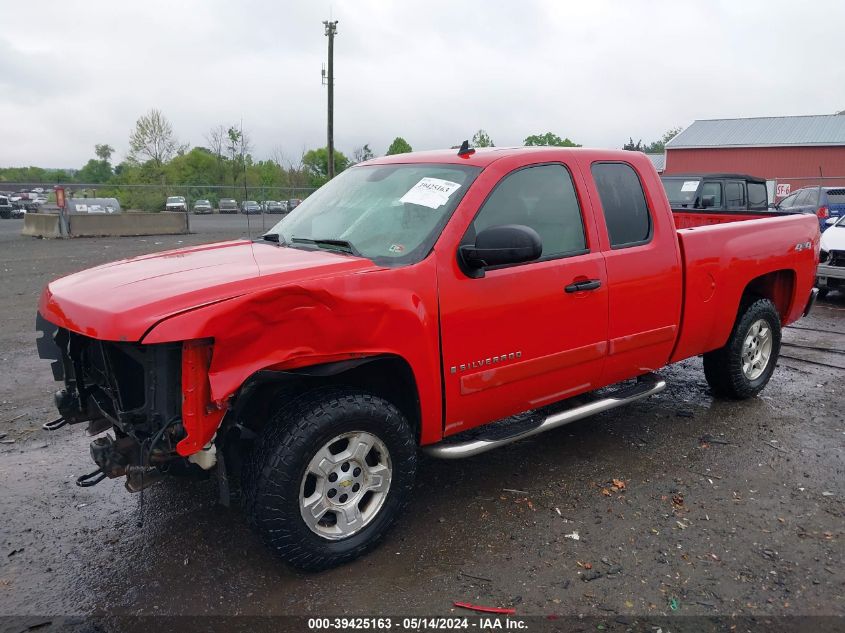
121, 301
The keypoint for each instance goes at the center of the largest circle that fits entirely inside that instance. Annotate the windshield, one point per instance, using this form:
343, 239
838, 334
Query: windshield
391, 214
174, 199
251, 203
681, 190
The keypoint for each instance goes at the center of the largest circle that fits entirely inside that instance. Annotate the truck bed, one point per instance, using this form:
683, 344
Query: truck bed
723, 254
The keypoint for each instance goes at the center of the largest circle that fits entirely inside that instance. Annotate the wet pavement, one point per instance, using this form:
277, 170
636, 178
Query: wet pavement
680, 504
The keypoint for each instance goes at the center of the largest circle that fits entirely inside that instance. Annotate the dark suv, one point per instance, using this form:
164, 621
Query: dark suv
824, 202
716, 192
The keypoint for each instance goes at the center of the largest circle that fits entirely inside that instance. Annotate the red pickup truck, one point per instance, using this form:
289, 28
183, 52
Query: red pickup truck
409, 303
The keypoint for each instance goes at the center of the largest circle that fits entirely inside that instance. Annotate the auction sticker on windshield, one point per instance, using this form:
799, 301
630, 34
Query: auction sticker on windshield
430, 192
690, 185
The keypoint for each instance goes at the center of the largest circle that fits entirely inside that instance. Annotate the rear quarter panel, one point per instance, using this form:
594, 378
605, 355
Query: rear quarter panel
720, 261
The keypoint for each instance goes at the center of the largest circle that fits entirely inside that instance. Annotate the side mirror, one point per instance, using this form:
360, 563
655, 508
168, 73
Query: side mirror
500, 245
708, 202
831, 221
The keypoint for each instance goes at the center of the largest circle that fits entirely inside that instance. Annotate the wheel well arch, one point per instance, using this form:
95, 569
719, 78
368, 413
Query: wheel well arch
777, 286
385, 375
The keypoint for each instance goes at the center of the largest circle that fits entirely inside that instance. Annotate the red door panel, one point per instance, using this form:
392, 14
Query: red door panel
644, 280
515, 340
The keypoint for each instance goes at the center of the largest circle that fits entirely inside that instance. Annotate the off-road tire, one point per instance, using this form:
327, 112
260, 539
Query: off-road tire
275, 471
723, 367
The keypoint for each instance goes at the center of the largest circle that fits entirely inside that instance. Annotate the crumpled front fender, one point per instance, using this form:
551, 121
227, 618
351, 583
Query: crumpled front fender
376, 312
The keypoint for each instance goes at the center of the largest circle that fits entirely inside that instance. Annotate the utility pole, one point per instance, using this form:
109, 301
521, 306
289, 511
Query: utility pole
331, 31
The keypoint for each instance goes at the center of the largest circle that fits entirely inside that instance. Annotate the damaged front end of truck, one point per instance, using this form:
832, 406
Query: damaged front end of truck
154, 398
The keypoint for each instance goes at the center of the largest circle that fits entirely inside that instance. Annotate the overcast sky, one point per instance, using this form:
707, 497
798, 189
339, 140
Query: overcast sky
80, 72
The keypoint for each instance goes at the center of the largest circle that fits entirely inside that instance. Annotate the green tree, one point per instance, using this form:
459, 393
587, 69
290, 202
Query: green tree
549, 139
269, 173
481, 139
633, 147
104, 151
153, 139
197, 167
658, 147
95, 171
316, 163
399, 146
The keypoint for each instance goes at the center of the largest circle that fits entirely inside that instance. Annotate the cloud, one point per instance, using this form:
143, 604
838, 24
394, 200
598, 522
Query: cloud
431, 71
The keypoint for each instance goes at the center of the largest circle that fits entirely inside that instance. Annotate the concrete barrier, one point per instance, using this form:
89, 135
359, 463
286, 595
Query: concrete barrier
41, 225
128, 224
108, 225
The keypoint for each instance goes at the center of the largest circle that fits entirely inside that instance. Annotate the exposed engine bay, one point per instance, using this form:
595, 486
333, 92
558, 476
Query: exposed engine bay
134, 390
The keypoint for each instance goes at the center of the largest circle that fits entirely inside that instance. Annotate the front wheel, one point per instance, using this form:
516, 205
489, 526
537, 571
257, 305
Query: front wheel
745, 364
329, 476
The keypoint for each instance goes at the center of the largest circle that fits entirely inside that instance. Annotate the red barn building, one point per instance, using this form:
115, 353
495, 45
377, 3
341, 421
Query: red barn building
796, 151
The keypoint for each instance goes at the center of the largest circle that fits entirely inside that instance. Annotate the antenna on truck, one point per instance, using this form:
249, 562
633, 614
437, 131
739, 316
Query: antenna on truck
465, 150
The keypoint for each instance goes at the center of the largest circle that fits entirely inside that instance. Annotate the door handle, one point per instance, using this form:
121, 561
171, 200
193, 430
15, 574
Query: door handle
581, 286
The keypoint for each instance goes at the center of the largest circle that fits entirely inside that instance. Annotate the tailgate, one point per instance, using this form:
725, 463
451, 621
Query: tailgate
721, 260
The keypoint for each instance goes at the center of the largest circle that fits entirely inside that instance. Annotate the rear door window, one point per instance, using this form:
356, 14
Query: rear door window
712, 189
789, 201
812, 198
801, 199
735, 195
623, 202
757, 196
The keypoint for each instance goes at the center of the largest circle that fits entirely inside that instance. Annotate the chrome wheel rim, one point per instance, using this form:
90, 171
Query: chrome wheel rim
756, 349
345, 485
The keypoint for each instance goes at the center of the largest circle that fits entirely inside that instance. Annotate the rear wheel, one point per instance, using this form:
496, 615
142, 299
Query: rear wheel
743, 367
329, 476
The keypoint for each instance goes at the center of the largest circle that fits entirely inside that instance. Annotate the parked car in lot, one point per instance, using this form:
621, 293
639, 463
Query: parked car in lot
22, 206
823, 202
5, 207
410, 302
203, 206
831, 271
274, 206
293, 203
176, 203
228, 205
716, 192
250, 207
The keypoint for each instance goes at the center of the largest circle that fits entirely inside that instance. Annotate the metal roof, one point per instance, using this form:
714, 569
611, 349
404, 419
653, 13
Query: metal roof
825, 129
658, 160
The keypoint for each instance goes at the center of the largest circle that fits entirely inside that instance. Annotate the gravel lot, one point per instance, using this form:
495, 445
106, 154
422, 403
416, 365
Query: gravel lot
727, 508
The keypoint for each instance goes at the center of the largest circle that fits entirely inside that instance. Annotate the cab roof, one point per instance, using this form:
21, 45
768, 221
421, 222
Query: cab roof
484, 156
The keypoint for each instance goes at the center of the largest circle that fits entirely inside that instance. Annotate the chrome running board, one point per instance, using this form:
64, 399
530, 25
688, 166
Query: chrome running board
646, 386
